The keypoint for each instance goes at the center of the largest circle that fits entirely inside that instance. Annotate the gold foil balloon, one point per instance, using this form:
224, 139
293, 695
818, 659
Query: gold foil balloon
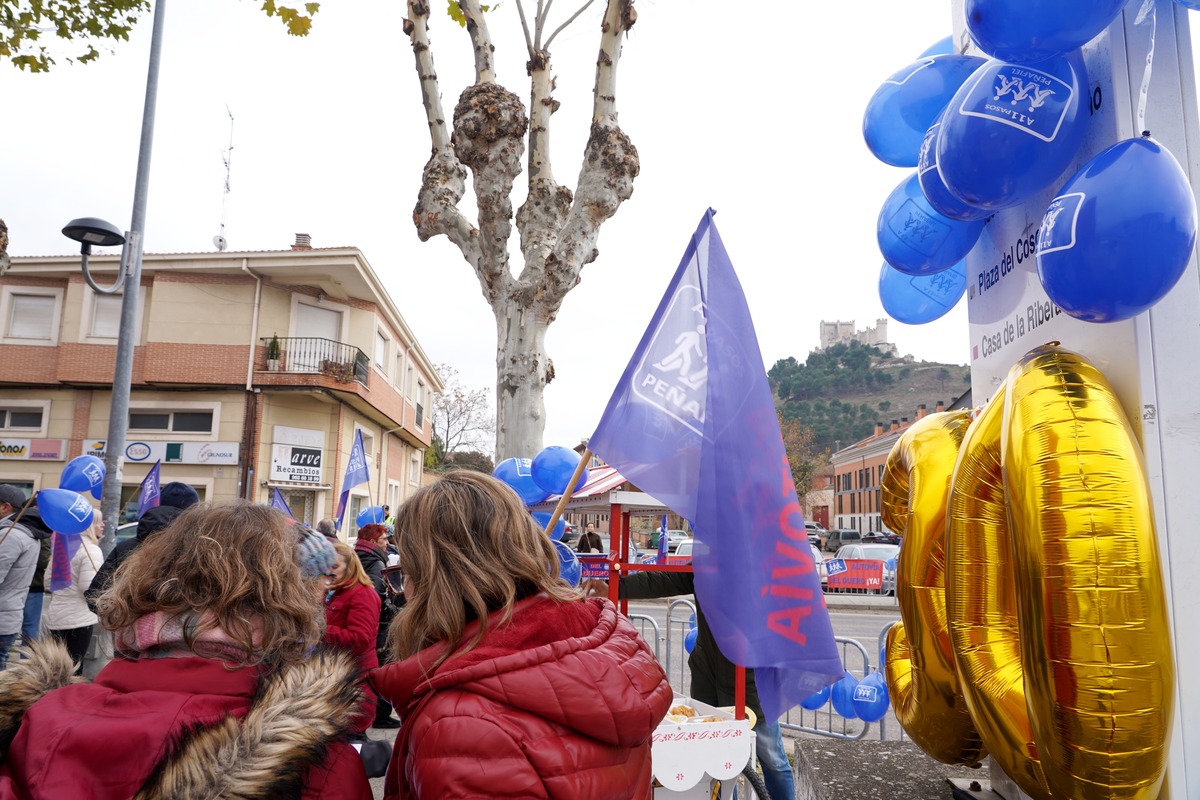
1095, 639
924, 689
981, 604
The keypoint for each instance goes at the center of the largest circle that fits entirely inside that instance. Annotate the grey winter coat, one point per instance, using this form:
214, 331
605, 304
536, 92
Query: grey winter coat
18, 560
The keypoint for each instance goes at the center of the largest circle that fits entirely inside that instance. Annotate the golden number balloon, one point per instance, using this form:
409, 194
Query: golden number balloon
1095, 639
981, 604
924, 686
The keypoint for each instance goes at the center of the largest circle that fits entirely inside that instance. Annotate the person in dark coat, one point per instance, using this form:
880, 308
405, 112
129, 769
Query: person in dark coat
714, 675
153, 521
371, 549
590, 542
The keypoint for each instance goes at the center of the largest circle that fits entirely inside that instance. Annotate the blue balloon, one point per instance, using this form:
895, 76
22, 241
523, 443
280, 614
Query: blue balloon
64, 511
1035, 30
917, 240
942, 47
369, 515
907, 103
1192, 4
83, 474
842, 696
815, 701
543, 519
568, 564
689, 639
915, 300
934, 188
870, 698
518, 474
553, 467
1120, 233
1011, 130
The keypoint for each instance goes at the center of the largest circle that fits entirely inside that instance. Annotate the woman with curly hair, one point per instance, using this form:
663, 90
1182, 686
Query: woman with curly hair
509, 683
215, 691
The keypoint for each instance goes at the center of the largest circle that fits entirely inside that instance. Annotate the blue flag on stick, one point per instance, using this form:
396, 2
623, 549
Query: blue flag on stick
148, 497
279, 502
356, 473
692, 422
663, 544
62, 551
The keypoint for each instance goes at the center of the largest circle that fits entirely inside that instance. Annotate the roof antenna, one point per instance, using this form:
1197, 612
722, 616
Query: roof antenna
226, 157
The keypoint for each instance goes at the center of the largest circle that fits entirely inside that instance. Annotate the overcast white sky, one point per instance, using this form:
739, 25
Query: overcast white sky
753, 109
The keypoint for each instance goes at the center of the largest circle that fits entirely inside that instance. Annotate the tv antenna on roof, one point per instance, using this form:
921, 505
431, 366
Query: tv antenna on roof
226, 157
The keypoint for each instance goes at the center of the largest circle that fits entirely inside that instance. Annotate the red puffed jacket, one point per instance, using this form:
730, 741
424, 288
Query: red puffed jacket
352, 622
559, 703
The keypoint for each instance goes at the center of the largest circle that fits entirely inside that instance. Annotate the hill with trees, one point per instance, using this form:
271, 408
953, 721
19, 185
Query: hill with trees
839, 393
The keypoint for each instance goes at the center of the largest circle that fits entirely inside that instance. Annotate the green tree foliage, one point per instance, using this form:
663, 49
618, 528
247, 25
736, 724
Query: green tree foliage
29, 28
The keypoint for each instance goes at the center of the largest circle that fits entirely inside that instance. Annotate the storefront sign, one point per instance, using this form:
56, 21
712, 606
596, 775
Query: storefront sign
32, 449
296, 455
171, 452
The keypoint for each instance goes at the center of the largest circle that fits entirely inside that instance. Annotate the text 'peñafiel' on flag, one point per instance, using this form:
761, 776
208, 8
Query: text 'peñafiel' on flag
692, 423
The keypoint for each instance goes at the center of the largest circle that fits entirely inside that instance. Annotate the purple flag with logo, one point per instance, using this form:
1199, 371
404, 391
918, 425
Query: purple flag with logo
280, 503
356, 473
62, 550
148, 496
692, 422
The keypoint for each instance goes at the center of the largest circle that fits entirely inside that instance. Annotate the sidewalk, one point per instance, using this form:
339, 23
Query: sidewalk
864, 602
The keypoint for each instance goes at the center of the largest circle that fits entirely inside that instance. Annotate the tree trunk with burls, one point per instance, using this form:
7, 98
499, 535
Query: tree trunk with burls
558, 228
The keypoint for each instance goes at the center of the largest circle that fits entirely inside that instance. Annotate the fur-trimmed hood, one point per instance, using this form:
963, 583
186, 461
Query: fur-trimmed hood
261, 736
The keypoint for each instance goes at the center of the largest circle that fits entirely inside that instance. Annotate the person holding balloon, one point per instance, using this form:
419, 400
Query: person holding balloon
67, 616
509, 682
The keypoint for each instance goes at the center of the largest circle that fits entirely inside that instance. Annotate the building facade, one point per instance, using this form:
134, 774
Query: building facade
252, 371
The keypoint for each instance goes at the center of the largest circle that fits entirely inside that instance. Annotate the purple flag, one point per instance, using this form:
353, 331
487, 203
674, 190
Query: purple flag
62, 550
281, 504
692, 422
148, 496
356, 473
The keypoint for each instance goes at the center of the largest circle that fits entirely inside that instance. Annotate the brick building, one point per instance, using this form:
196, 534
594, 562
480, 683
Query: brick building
206, 400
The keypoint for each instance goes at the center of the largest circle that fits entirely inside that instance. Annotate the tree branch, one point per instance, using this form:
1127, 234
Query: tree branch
443, 181
481, 41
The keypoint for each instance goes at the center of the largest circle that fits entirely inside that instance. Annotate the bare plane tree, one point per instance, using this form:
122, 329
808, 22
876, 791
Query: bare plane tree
558, 227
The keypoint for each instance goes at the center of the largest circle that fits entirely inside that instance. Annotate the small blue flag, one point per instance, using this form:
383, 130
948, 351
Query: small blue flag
280, 503
148, 497
692, 423
356, 473
663, 544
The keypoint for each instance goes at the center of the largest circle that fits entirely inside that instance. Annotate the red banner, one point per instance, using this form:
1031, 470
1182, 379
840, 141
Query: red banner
860, 574
594, 565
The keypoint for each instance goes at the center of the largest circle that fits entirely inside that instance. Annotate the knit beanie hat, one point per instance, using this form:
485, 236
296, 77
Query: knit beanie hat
177, 494
315, 553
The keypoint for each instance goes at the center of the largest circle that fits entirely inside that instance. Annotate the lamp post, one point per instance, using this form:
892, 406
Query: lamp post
102, 233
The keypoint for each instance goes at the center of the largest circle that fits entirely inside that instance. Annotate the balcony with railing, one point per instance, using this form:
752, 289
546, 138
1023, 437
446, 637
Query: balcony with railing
315, 356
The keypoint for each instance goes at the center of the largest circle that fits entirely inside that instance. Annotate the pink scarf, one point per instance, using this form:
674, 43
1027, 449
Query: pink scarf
158, 635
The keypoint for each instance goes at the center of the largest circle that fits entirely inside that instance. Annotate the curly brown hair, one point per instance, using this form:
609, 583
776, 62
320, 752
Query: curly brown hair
232, 566
469, 548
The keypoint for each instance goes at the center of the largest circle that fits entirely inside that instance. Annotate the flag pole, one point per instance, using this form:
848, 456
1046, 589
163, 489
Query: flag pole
566, 496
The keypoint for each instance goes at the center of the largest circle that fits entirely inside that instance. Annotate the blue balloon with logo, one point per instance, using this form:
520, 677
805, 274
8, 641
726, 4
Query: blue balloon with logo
689, 639
542, 518
917, 240
1034, 30
1011, 130
815, 701
842, 696
870, 698
918, 299
518, 474
568, 563
908, 102
370, 515
934, 188
65, 511
83, 474
1120, 233
553, 467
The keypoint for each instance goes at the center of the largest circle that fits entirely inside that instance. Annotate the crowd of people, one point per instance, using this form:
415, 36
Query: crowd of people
252, 654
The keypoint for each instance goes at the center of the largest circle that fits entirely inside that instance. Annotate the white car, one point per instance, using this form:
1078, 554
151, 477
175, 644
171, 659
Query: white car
819, 560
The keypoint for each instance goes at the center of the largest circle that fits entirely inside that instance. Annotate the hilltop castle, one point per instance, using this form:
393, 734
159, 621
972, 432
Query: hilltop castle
843, 332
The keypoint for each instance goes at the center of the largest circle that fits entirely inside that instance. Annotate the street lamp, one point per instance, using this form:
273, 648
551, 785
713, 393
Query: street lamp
88, 231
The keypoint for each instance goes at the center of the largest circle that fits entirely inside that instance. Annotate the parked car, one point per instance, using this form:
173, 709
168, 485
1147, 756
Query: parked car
126, 530
674, 538
571, 536
819, 558
682, 554
837, 538
881, 537
875, 552
816, 533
